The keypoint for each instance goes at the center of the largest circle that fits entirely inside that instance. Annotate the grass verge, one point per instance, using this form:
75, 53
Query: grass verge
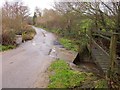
62, 76
68, 44
8, 47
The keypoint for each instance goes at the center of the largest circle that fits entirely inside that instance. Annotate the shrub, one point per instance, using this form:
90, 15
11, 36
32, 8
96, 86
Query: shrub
8, 37
14, 19
28, 33
3, 48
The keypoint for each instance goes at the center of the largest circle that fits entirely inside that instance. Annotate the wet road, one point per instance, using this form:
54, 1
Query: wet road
23, 66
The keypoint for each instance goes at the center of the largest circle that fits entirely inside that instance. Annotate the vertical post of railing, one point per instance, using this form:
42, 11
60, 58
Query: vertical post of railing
113, 56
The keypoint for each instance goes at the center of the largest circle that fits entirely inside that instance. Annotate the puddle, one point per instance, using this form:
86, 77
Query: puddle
53, 53
11, 62
43, 34
56, 43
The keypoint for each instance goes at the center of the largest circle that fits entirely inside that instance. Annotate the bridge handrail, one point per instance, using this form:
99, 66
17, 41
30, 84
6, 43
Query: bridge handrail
98, 46
106, 33
105, 37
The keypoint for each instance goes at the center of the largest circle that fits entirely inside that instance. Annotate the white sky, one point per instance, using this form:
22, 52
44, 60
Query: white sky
42, 4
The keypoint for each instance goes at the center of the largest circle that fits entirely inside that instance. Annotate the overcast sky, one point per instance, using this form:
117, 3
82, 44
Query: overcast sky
43, 3
33, 3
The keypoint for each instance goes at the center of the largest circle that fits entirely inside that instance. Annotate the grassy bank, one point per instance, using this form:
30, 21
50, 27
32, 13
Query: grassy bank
62, 76
28, 34
68, 44
9, 37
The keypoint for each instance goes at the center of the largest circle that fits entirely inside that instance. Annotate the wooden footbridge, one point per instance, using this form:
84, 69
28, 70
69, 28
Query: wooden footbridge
104, 50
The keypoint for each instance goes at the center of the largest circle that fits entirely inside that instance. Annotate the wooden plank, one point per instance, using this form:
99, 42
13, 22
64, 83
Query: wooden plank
98, 46
116, 33
103, 33
105, 37
118, 57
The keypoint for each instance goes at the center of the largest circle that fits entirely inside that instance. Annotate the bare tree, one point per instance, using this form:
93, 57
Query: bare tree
14, 15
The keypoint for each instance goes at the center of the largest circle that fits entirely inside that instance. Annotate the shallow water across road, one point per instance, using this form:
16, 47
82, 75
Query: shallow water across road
25, 66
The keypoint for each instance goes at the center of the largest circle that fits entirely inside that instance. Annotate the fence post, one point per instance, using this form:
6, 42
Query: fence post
113, 56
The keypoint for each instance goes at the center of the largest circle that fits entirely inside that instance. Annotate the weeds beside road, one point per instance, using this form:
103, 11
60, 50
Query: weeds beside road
68, 44
4, 48
8, 38
62, 76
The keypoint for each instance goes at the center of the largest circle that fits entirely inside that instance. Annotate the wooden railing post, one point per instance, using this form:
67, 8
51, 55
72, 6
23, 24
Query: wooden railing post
113, 51
113, 57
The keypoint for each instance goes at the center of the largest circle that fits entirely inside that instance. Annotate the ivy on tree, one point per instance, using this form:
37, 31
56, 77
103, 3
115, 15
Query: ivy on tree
34, 18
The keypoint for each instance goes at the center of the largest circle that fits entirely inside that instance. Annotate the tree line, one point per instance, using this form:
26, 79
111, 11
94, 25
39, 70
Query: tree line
73, 19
